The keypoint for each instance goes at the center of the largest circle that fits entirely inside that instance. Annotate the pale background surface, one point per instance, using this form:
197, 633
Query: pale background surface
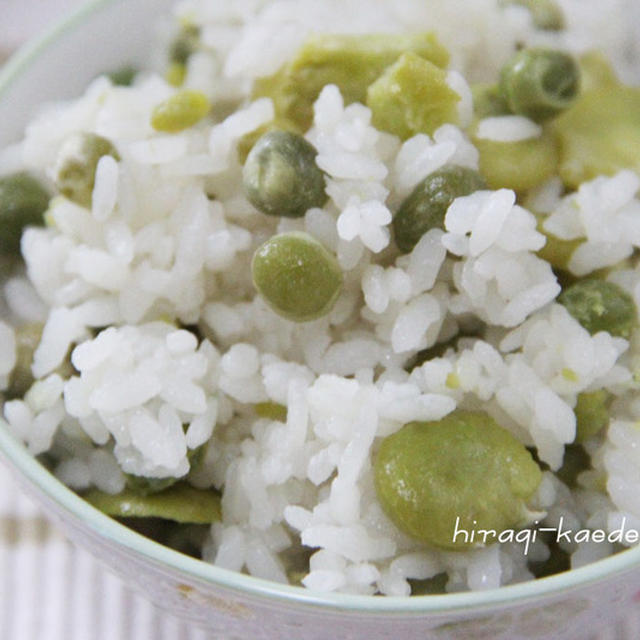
22, 18
50, 590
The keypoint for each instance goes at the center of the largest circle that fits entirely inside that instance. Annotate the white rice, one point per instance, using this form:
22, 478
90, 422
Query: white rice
168, 244
508, 129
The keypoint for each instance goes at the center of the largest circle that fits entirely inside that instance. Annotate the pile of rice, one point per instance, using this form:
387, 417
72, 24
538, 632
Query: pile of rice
167, 245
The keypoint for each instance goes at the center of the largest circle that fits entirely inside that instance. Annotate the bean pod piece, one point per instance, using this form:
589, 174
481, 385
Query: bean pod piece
180, 503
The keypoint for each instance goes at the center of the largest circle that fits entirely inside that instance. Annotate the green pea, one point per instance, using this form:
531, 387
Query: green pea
425, 208
281, 177
546, 14
540, 83
75, 170
180, 503
599, 305
23, 201
297, 277
248, 140
181, 111
464, 472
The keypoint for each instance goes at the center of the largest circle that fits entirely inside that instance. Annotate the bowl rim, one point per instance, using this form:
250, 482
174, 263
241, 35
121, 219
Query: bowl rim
26, 465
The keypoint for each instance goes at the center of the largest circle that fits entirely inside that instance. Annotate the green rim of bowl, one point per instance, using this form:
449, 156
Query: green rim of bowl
105, 527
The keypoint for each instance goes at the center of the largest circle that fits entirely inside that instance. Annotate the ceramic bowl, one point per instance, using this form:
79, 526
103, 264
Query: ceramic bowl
106, 34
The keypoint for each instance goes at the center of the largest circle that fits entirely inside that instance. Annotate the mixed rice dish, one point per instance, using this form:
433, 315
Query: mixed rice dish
349, 305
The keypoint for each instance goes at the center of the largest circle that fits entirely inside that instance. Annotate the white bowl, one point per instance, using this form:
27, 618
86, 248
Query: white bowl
107, 34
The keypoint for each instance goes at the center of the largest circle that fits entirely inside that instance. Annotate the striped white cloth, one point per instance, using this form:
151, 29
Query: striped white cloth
51, 590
